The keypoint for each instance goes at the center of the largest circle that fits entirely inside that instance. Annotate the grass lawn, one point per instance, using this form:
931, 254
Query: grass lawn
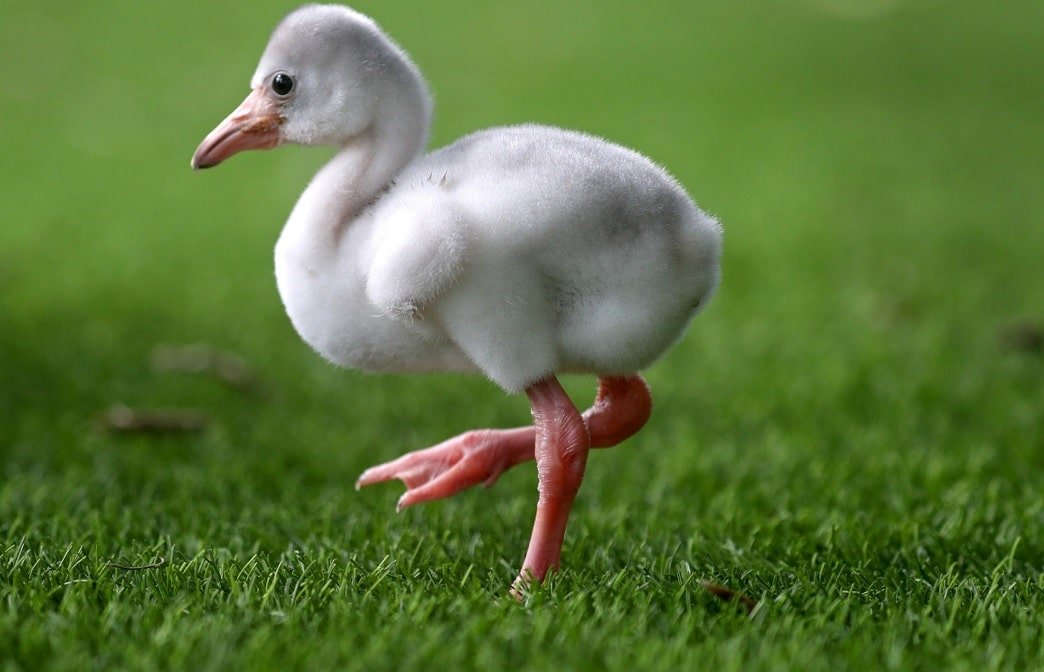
850, 434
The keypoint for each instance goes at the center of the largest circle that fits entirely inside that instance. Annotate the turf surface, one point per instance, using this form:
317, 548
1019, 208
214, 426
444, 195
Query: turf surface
850, 434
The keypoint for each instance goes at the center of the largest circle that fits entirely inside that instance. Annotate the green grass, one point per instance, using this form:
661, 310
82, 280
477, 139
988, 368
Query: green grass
842, 435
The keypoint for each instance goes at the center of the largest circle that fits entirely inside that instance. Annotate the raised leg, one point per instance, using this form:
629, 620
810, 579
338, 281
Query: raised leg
620, 409
480, 456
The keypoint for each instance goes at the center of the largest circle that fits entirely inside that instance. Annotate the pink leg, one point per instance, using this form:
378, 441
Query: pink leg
562, 443
559, 442
563, 438
480, 456
622, 407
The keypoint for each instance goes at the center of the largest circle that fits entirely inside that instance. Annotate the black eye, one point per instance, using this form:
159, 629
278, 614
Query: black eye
282, 84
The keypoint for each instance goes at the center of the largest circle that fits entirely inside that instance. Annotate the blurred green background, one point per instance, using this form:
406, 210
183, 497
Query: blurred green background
850, 433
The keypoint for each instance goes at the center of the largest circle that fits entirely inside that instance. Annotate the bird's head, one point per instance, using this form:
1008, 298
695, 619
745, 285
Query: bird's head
323, 79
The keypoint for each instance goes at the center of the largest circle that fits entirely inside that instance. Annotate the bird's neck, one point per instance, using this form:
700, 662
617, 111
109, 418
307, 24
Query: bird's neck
366, 164
353, 179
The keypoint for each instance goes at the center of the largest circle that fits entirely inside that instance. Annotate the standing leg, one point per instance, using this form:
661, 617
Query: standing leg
562, 443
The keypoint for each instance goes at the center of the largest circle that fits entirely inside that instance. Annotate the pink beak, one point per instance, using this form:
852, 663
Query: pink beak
253, 125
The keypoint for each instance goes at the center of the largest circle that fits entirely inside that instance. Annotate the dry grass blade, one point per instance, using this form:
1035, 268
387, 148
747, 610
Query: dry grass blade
124, 419
729, 595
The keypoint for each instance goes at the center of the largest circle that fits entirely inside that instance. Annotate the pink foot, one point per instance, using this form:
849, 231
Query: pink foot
479, 456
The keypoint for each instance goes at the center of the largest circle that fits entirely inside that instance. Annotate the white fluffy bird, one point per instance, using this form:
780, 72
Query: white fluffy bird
519, 252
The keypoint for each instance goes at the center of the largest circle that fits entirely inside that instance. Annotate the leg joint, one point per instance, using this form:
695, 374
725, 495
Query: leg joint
622, 407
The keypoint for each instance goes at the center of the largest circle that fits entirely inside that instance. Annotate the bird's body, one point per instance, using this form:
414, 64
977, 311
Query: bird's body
519, 252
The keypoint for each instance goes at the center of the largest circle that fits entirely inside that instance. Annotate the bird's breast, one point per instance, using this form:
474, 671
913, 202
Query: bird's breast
323, 292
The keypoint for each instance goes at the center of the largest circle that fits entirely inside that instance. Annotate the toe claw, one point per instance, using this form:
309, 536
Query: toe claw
366, 478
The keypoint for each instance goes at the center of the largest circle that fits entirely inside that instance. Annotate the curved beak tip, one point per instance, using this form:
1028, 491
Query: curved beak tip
198, 162
254, 124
